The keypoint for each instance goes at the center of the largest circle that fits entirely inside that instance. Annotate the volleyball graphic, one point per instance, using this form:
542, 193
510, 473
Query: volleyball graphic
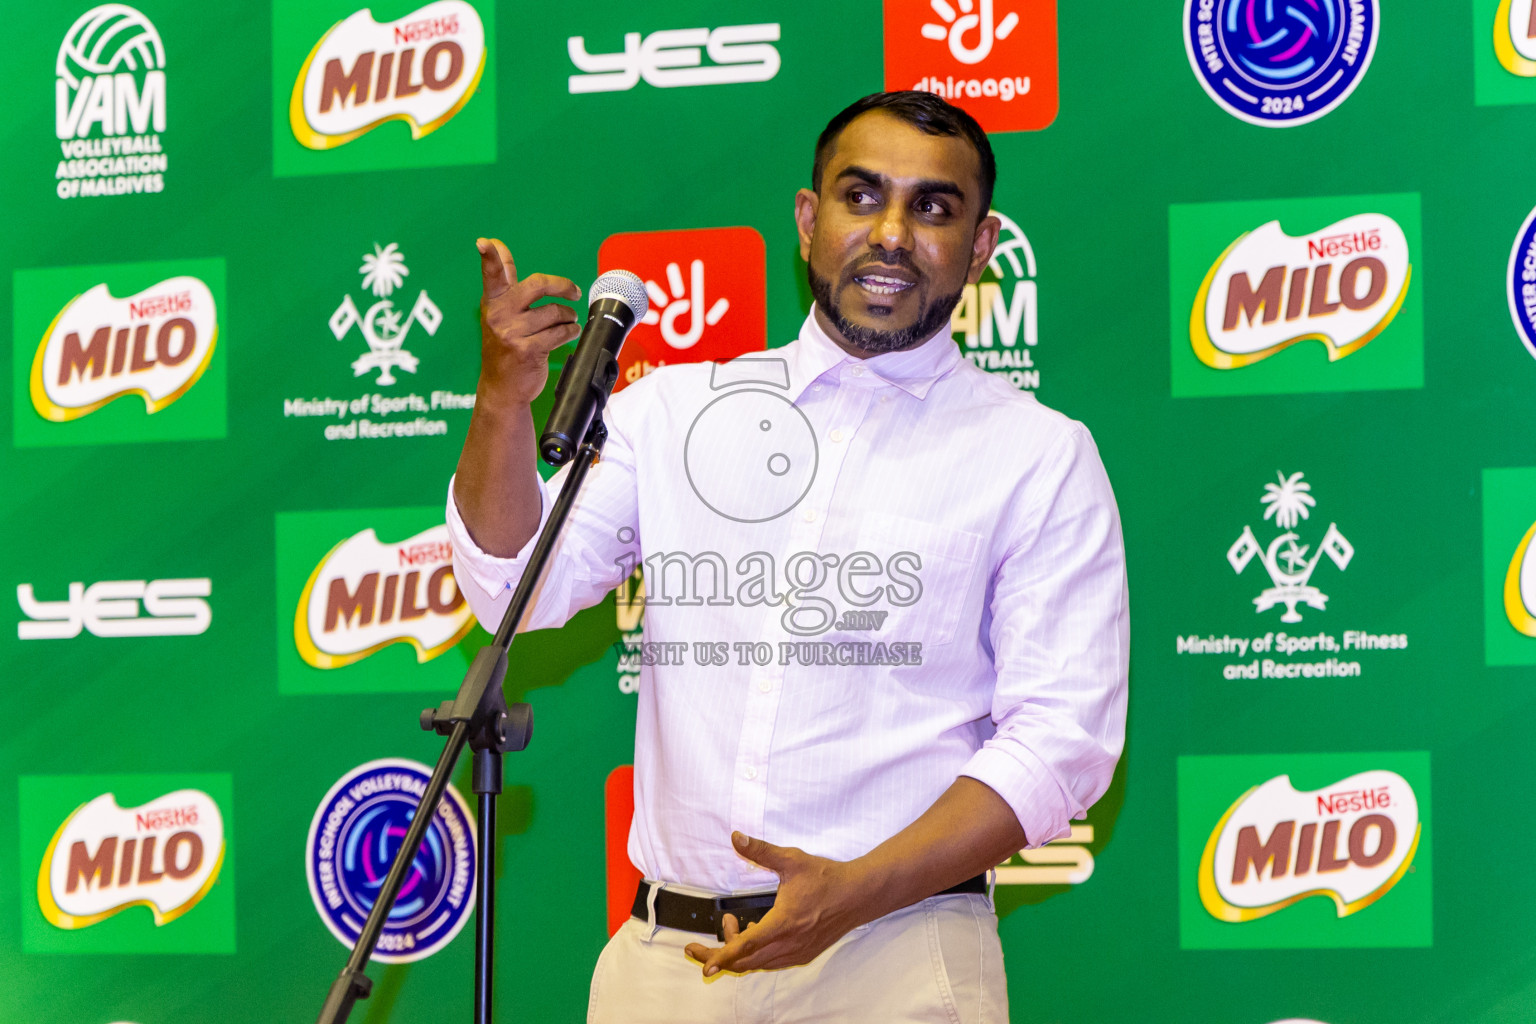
109, 38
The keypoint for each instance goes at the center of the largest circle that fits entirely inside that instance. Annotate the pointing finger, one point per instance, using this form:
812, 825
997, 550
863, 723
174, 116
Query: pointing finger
498, 272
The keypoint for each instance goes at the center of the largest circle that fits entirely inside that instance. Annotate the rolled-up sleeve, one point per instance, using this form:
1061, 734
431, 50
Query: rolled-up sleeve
596, 551
1060, 634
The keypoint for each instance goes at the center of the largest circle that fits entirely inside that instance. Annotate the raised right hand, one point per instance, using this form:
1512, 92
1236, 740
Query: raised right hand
516, 339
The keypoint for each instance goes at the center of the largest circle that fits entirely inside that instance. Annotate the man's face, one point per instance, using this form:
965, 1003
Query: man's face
892, 238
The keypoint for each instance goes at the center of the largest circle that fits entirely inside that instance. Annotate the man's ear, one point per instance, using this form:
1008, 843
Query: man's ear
805, 220
982, 246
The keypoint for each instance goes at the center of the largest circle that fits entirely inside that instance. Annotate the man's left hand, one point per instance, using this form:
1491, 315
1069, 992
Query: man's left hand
818, 902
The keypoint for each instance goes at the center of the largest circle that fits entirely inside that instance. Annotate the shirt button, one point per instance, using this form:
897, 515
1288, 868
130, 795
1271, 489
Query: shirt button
750, 773
809, 515
836, 435
858, 371
764, 685
885, 398
815, 387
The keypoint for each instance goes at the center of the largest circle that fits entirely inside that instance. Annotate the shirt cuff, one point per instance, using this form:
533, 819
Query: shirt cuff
1028, 787
489, 572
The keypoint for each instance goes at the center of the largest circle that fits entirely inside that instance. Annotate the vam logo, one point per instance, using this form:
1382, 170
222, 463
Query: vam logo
708, 292
365, 595
382, 327
164, 855
995, 58
1514, 37
1279, 65
997, 320
353, 839
109, 104
1305, 851
154, 344
1276, 846
112, 609
672, 57
420, 69
1340, 286
1285, 558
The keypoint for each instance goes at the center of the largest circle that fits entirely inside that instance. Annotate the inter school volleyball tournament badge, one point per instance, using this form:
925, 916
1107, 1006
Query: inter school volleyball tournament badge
356, 831
1279, 65
1520, 282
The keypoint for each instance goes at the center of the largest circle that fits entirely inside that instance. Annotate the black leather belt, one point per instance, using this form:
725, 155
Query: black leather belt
706, 914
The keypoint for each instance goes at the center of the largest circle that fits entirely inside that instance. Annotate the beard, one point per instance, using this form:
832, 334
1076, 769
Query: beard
931, 316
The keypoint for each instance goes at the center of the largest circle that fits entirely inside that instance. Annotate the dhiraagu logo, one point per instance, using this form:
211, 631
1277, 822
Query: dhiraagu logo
1304, 851
1296, 295
121, 353
381, 87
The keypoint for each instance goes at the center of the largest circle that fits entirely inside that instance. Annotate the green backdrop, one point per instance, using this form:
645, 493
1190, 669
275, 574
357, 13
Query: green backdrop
1414, 447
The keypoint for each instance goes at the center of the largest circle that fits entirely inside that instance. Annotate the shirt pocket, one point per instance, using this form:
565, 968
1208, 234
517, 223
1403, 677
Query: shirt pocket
928, 571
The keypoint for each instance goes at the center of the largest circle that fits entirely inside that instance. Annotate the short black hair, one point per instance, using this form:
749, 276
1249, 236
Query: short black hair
924, 111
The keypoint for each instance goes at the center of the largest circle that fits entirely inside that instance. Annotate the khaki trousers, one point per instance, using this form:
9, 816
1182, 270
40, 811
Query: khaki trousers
935, 962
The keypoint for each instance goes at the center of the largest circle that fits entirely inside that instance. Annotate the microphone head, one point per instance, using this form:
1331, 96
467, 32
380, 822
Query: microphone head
624, 286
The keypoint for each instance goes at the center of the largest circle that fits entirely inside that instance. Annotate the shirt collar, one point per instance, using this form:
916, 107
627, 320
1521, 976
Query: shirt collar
914, 370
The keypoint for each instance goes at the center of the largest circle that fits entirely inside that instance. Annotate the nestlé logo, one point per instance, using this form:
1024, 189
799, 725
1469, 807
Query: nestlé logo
365, 595
155, 344
164, 855
1351, 842
420, 69
1340, 286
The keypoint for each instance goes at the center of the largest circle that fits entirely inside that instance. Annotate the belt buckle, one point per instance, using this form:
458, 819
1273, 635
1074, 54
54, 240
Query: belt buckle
748, 910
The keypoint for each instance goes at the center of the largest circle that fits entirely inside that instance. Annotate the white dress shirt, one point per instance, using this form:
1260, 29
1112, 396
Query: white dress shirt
770, 496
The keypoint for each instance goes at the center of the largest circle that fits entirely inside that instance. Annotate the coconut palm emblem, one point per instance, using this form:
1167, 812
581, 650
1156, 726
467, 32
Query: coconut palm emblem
383, 271
1290, 569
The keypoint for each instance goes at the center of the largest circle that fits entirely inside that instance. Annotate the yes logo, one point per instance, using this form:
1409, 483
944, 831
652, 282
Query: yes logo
340, 77
738, 53
119, 353
1304, 851
997, 319
708, 292
994, 58
111, 609
127, 864
377, 599
1337, 272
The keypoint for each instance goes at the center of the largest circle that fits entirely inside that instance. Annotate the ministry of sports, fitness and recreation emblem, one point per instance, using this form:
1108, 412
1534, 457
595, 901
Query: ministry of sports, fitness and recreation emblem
382, 325
1287, 560
1280, 64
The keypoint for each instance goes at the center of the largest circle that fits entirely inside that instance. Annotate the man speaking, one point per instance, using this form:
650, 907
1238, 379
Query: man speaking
907, 577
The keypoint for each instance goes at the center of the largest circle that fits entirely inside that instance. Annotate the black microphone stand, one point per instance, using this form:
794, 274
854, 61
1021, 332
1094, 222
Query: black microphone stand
480, 717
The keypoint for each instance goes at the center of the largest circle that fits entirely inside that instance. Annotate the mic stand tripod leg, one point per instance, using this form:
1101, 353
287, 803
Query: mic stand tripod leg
480, 718
487, 786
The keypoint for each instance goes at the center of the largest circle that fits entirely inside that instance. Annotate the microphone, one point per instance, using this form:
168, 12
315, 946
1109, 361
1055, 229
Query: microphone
617, 303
